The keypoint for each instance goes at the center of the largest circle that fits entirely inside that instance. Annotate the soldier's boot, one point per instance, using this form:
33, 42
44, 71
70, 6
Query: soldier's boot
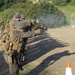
16, 73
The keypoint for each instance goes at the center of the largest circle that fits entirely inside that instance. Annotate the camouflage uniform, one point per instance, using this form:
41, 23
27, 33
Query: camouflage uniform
12, 43
6, 45
29, 24
8, 53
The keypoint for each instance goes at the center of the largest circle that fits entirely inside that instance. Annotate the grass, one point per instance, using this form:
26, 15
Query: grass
32, 10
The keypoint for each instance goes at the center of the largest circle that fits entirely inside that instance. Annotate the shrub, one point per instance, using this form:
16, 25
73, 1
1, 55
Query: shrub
61, 2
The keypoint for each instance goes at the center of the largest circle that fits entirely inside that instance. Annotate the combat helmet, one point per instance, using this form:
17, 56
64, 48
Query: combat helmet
22, 16
16, 15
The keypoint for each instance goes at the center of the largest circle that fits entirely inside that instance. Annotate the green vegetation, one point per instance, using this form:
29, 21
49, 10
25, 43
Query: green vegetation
31, 10
61, 2
69, 11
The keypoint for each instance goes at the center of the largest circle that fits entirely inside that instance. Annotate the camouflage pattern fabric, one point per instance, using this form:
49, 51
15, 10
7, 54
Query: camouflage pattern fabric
7, 27
19, 34
19, 24
5, 54
5, 41
15, 38
13, 68
12, 24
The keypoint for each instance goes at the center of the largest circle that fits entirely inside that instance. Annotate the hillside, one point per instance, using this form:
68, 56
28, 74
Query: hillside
48, 12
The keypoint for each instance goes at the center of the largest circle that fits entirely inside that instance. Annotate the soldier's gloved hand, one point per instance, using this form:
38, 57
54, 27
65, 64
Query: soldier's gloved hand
38, 31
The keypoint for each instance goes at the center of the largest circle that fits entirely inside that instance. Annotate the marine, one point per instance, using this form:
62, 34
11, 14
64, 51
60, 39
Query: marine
12, 41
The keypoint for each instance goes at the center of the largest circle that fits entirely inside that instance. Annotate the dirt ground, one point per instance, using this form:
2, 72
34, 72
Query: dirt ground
48, 53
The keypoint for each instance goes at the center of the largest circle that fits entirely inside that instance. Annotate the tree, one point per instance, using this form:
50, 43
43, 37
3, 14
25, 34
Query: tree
61, 2
72, 2
1, 2
6, 1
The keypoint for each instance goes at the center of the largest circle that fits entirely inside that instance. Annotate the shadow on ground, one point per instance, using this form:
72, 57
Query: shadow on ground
45, 44
38, 47
3, 65
48, 61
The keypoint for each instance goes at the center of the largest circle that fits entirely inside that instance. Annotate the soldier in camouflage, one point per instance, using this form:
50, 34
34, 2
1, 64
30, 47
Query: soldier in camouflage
12, 40
7, 46
29, 24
